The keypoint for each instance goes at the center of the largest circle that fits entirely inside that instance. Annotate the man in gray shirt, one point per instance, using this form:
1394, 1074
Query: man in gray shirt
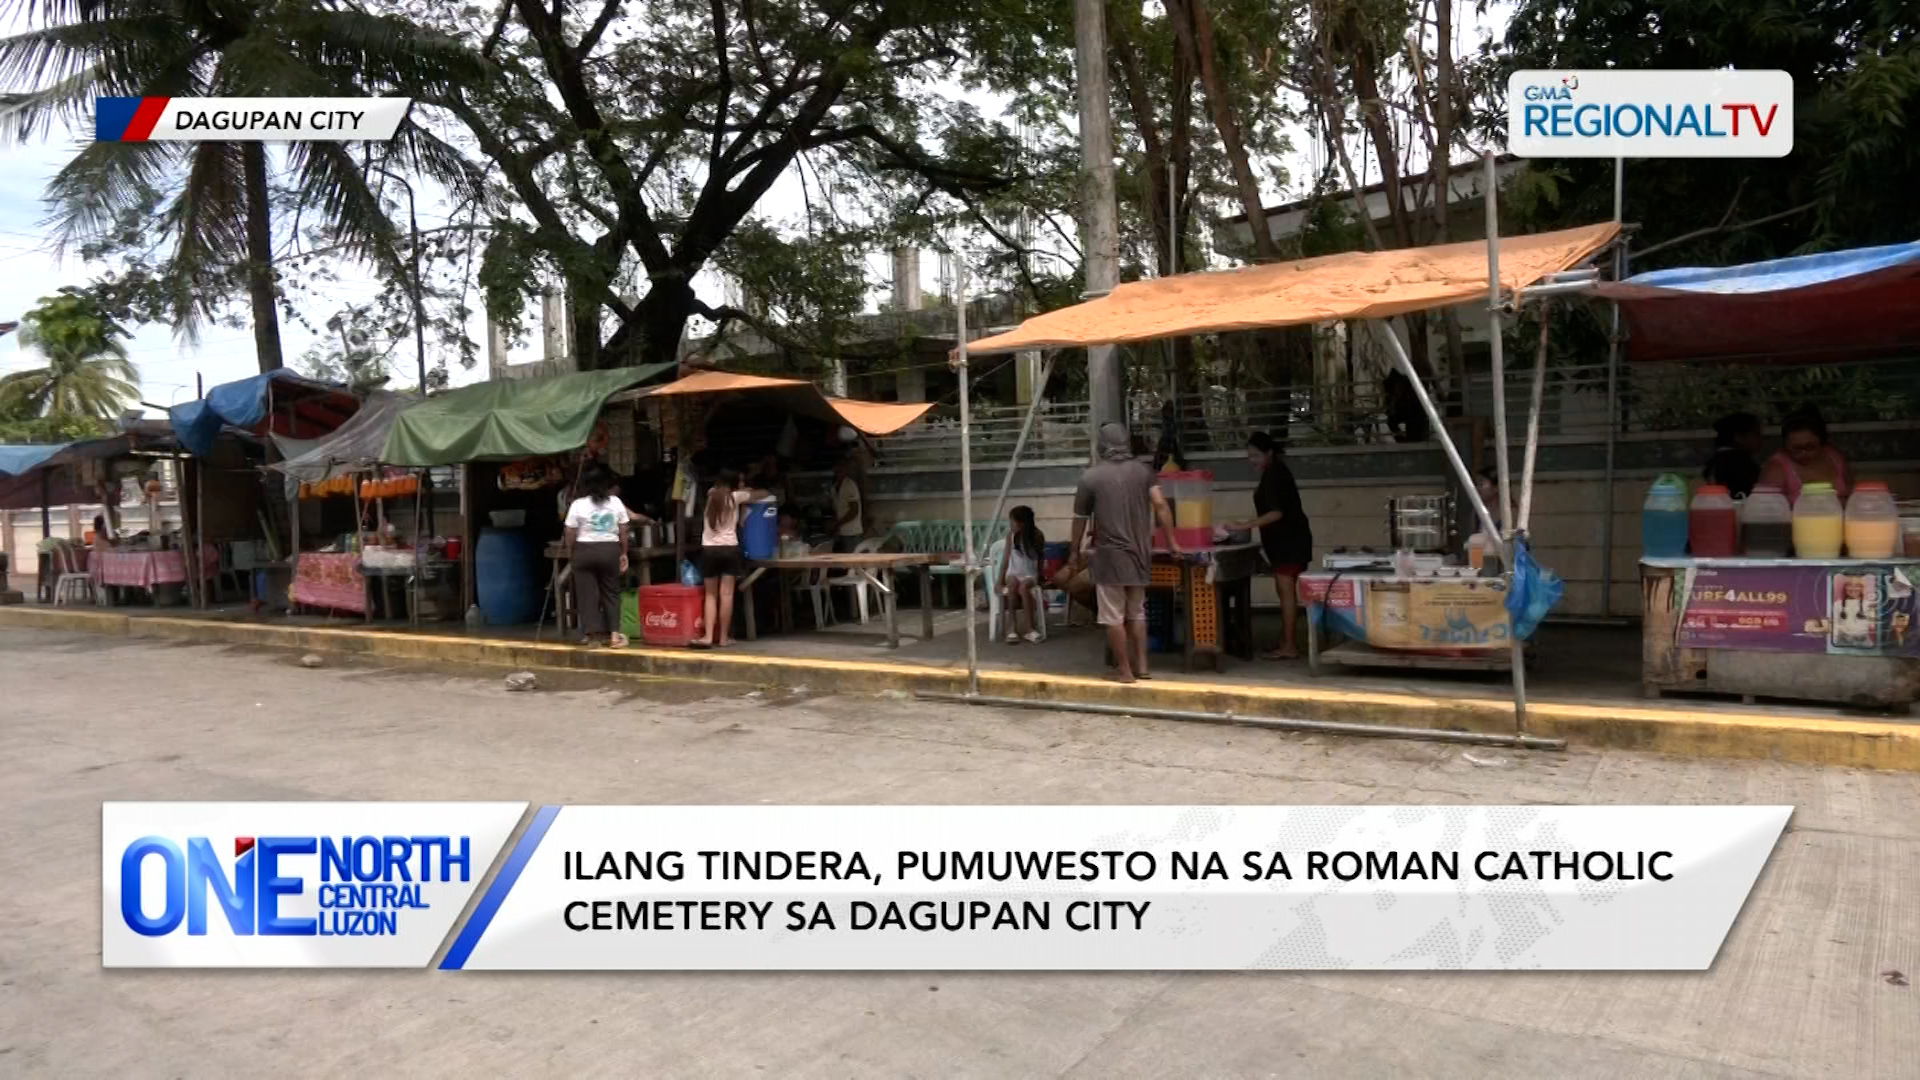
1121, 495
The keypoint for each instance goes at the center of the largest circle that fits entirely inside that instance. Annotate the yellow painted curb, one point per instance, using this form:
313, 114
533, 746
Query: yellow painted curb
1872, 744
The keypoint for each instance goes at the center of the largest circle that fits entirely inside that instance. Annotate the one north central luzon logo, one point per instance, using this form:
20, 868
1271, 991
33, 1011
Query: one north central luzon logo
1554, 111
365, 884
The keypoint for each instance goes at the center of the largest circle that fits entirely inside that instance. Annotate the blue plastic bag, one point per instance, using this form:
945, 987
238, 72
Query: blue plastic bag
1533, 593
690, 574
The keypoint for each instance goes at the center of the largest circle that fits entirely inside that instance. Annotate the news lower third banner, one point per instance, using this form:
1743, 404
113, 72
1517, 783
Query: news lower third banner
948, 888
181, 119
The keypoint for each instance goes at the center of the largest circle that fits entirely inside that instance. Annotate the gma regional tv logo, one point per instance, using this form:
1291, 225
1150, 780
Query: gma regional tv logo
167, 119
291, 884
1650, 114
364, 886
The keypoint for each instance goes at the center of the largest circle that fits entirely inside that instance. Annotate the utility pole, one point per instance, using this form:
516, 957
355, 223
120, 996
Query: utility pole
1099, 232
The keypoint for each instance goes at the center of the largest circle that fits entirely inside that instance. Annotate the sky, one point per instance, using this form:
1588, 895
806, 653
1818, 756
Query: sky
168, 366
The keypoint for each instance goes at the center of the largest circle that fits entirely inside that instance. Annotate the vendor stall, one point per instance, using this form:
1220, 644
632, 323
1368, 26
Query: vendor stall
391, 540
1753, 598
1839, 630
1380, 618
1502, 271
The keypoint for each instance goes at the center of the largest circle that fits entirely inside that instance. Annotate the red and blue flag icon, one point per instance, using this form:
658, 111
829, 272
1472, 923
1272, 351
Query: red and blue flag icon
126, 119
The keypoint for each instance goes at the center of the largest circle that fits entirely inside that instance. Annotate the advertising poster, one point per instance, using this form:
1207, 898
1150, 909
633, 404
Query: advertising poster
1863, 609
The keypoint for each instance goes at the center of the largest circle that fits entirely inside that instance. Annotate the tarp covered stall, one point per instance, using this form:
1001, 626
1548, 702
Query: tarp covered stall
37, 474
355, 445
300, 407
874, 418
507, 418
1353, 285
1797, 310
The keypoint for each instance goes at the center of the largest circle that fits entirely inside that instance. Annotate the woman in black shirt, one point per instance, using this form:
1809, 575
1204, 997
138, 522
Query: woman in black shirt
1736, 446
1285, 535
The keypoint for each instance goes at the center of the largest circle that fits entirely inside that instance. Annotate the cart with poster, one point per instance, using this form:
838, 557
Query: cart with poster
1834, 630
1799, 623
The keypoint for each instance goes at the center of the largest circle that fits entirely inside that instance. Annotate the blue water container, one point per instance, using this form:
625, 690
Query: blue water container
506, 580
760, 530
1663, 519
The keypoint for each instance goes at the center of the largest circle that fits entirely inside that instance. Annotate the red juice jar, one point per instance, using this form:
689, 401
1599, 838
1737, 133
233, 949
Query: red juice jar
1713, 524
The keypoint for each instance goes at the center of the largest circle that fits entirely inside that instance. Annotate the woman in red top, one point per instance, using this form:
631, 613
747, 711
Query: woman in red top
1805, 457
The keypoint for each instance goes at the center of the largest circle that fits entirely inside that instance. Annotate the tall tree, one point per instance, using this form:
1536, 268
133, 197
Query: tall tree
87, 375
213, 202
638, 141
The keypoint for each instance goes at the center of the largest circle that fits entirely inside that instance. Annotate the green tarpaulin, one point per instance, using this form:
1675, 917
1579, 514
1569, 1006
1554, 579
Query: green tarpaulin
508, 418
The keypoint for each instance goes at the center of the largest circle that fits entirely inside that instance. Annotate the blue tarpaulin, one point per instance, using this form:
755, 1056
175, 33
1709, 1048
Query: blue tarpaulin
17, 459
243, 404
1796, 272
1806, 309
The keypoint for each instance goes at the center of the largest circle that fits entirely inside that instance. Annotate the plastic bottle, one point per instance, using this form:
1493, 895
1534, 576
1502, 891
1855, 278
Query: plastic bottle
474, 622
1817, 523
1713, 524
1663, 519
1872, 524
1766, 524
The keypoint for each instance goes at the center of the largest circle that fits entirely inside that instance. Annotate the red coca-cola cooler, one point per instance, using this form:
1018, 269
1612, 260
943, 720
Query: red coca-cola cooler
670, 614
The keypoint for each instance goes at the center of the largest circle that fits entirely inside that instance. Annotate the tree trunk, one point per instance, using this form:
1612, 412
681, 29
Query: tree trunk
660, 319
583, 327
1194, 28
260, 286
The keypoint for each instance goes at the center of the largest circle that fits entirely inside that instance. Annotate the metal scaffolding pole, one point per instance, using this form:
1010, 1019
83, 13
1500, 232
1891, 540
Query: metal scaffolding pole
1533, 421
966, 468
1500, 425
1613, 395
1026, 429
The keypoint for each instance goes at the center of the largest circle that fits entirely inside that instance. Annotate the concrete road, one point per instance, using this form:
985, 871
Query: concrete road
1804, 987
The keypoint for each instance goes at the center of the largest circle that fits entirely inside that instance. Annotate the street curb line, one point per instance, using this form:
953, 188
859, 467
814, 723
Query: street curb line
1870, 744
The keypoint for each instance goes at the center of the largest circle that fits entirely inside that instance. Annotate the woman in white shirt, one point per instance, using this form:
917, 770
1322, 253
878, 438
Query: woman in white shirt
596, 542
720, 562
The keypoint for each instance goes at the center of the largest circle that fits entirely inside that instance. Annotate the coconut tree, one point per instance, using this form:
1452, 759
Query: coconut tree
87, 373
213, 202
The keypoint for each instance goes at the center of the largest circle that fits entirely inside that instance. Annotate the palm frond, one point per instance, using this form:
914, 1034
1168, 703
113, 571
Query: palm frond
58, 70
328, 178
210, 216
105, 181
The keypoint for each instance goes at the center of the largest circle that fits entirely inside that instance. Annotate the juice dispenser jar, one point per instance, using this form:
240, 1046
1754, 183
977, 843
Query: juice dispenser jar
1817, 523
1663, 519
1191, 494
1766, 524
1713, 525
1872, 524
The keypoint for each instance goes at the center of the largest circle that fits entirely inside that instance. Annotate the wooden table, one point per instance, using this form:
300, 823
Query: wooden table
878, 568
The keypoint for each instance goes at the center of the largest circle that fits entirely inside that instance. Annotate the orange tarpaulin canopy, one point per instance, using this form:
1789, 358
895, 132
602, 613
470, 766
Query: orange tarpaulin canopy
870, 417
1354, 285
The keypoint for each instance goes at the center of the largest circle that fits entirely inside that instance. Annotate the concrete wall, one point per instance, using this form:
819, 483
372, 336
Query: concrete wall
1345, 491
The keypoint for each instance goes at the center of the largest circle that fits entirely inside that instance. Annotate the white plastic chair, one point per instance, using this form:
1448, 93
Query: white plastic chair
72, 586
814, 586
857, 581
996, 604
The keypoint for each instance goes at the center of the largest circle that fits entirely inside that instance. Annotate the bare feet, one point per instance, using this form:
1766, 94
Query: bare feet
1280, 654
1125, 678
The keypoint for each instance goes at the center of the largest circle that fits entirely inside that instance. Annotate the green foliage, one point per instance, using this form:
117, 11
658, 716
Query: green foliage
87, 374
176, 214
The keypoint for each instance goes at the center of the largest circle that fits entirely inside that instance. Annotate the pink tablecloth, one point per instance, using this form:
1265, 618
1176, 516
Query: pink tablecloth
143, 569
329, 579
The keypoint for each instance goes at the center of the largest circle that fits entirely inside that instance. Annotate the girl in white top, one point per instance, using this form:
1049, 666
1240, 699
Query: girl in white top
720, 562
596, 541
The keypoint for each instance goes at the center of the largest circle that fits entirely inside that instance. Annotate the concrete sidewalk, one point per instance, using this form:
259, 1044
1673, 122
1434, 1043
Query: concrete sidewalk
1580, 693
